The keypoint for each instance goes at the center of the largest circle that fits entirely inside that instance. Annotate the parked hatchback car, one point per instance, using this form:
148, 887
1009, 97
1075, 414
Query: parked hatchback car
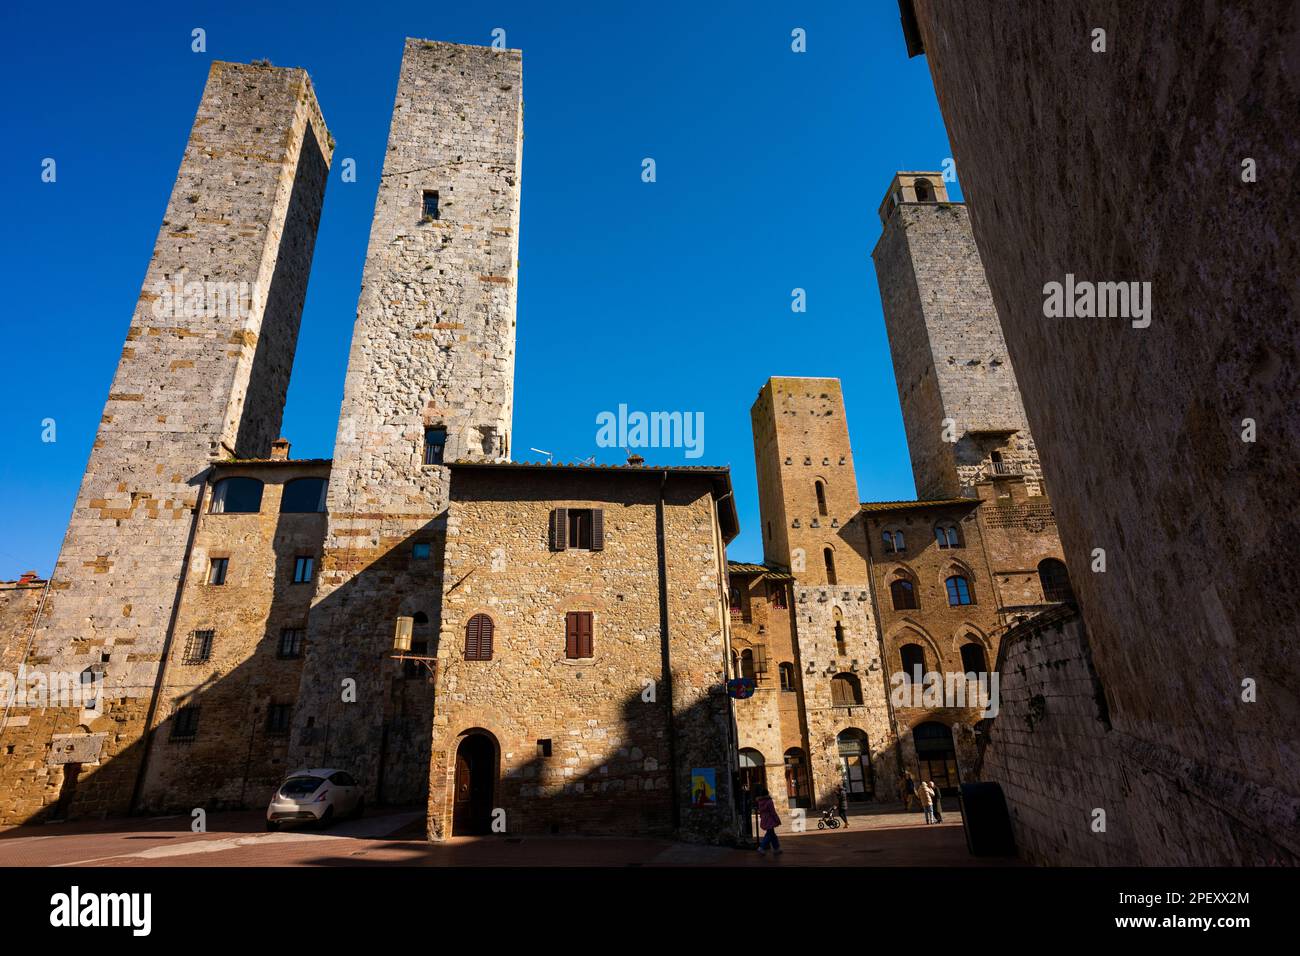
315, 796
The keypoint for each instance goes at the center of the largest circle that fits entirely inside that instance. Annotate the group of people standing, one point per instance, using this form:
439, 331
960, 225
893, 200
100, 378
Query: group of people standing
927, 792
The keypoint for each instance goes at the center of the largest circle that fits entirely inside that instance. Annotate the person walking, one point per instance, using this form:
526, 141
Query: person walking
842, 804
909, 790
938, 802
927, 801
768, 821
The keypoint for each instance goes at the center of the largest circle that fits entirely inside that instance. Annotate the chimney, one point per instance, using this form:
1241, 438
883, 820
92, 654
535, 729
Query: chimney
29, 577
280, 448
634, 459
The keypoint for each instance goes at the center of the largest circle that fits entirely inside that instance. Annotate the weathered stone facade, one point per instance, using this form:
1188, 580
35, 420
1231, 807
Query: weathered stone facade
433, 346
603, 740
1066, 157
202, 376
808, 498
249, 667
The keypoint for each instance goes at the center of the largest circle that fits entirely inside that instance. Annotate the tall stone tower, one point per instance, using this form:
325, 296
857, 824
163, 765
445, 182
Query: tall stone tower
961, 404
812, 523
430, 379
202, 376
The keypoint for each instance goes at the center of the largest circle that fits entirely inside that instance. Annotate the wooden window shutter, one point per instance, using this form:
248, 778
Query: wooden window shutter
584, 634
597, 529
478, 638
577, 635
559, 528
571, 635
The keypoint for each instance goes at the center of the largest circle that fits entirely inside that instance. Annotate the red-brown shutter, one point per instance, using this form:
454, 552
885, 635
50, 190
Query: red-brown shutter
584, 635
559, 528
597, 529
571, 635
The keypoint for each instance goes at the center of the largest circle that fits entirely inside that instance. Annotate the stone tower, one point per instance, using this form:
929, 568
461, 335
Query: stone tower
812, 524
430, 378
202, 376
961, 405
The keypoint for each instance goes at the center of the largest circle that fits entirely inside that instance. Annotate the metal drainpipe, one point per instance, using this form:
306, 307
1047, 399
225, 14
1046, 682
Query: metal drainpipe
664, 651
149, 729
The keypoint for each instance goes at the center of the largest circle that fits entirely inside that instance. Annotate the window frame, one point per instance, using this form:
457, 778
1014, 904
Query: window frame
434, 453
198, 646
295, 647
218, 579
480, 636
963, 589
298, 563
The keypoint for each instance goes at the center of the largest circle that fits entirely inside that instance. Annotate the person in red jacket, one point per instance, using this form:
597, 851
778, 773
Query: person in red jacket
768, 821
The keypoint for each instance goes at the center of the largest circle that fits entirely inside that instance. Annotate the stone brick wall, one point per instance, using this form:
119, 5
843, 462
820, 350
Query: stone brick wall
801, 438
1060, 760
950, 360
621, 754
772, 721
193, 383
1068, 159
433, 345
235, 759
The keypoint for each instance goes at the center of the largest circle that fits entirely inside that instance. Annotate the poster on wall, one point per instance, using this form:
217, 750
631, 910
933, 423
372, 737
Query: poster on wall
704, 787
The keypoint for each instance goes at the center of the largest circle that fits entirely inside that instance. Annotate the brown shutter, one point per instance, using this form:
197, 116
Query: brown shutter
597, 529
471, 639
571, 635
584, 635
559, 528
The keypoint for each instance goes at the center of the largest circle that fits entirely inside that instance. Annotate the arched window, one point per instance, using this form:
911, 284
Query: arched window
846, 690
821, 498
973, 660
959, 590
903, 593
237, 496
419, 618
747, 663
913, 660
1055, 579
478, 638
924, 190
787, 676
829, 557
303, 496
893, 541
735, 664
945, 534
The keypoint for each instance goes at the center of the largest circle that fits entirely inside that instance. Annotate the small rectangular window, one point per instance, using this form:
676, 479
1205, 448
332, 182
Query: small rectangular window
435, 443
577, 635
429, 209
421, 550
291, 642
185, 723
544, 748
777, 592
199, 647
303, 565
277, 719
217, 571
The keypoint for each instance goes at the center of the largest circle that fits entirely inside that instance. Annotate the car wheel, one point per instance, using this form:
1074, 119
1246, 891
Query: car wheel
327, 817
272, 826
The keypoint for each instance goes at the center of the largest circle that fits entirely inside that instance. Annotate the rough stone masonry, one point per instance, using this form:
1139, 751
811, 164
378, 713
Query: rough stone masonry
192, 385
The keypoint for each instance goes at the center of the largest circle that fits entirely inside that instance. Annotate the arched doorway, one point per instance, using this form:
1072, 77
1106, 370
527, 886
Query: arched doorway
476, 770
753, 770
855, 765
935, 755
797, 790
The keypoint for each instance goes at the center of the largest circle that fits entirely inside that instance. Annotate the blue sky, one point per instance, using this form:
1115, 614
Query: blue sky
770, 166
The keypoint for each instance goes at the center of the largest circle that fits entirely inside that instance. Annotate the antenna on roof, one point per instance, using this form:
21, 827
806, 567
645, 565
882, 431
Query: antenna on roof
588, 461
539, 451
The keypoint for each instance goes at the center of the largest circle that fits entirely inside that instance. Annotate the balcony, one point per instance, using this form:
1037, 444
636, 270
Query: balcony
1003, 469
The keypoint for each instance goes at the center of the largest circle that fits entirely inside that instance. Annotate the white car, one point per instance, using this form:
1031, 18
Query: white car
315, 796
